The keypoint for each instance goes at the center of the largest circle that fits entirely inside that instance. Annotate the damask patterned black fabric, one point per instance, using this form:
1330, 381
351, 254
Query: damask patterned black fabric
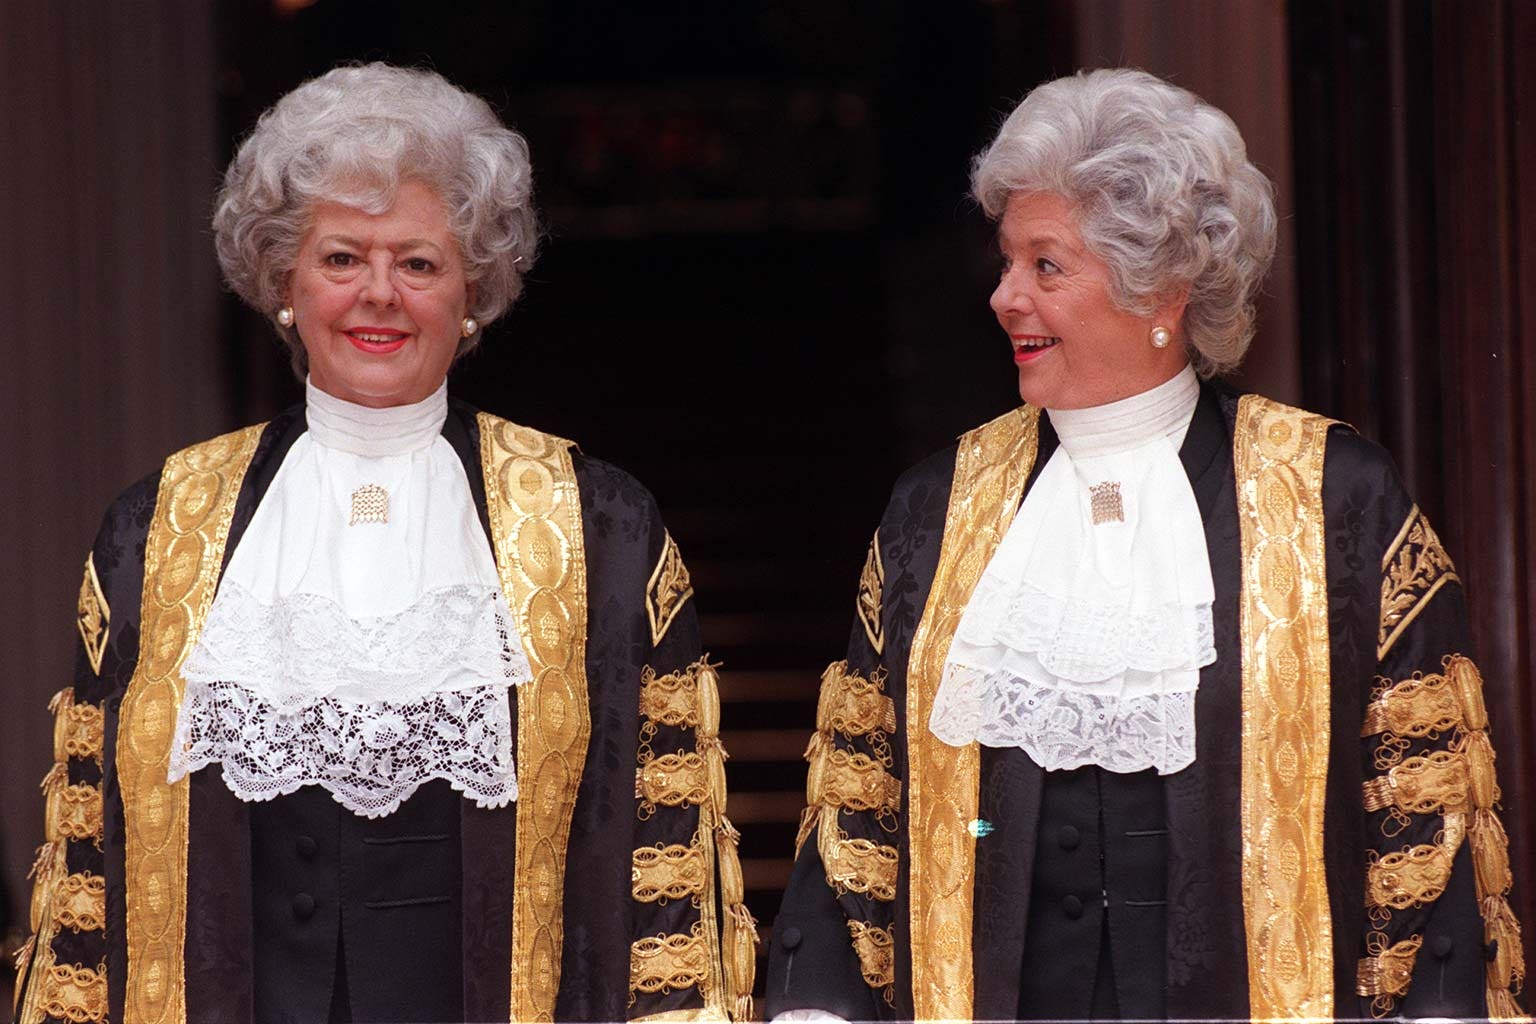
624, 537
1206, 969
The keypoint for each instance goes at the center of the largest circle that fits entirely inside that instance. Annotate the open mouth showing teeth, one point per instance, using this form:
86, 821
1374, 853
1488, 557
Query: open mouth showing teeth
1029, 343
376, 338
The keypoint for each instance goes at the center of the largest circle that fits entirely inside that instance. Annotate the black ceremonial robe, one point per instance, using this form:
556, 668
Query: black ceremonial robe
596, 896
1334, 850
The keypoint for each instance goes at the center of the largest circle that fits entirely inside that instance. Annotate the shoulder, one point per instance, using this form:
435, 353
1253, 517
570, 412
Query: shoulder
602, 483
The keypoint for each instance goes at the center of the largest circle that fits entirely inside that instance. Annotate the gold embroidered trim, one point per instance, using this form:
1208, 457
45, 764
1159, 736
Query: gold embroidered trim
855, 865
1416, 707
853, 705
73, 812
1278, 455
867, 604
182, 560
1388, 972
668, 590
672, 699
80, 903
877, 953
992, 464
1410, 877
672, 780
77, 994
661, 873
1421, 785
77, 728
1414, 569
668, 963
842, 778
535, 514
93, 616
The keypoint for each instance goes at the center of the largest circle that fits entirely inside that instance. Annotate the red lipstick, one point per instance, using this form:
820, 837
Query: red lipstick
377, 340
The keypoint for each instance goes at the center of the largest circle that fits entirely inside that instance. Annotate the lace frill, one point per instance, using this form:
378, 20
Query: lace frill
298, 693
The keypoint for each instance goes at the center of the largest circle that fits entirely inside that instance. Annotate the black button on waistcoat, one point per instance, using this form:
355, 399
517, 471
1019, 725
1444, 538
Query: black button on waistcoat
1069, 837
306, 846
790, 938
1072, 907
303, 906
1440, 946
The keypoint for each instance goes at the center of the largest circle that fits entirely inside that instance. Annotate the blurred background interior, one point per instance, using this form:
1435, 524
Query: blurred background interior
763, 289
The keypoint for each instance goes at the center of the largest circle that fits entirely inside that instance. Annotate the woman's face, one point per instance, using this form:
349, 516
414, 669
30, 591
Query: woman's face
1072, 346
378, 299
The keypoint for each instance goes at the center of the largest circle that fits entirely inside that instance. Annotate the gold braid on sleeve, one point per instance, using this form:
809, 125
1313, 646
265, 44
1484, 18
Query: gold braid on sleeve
63, 900
1460, 784
720, 958
841, 781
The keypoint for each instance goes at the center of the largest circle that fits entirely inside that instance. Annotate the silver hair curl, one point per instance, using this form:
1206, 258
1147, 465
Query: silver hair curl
352, 136
1165, 195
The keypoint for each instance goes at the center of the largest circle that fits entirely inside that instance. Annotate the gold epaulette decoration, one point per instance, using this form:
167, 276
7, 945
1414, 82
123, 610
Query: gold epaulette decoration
75, 993
77, 728
1459, 782
871, 586
93, 616
853, 781
1414, 569
668, 590
80, 902
1385, 974
877, 955
661, 873
853, 705
74, 812
668, 963
1409, 878
1421, 785
855, 865
672, 699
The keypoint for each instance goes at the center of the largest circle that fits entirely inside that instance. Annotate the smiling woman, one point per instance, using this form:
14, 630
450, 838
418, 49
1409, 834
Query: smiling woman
1159, 704
382, 672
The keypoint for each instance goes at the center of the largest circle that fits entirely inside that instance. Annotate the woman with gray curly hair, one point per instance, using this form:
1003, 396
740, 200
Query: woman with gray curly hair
362, 690
1159, 703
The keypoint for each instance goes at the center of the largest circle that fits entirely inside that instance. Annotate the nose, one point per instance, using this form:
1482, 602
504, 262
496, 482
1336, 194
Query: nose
1011, 297
378, 281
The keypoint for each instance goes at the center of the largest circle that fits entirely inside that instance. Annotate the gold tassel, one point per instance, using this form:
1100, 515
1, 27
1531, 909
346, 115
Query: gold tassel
732, 888
1502, 1006
57, 776
1507, 968
1490, 854
1469, 688
63, 698
1478, 749
709, 699
739, 953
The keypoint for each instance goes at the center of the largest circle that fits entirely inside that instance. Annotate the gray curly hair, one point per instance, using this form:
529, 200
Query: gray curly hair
1165, 196
352, 136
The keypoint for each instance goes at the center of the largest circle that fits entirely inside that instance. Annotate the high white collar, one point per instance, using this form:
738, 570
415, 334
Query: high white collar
1163, 411
361, 430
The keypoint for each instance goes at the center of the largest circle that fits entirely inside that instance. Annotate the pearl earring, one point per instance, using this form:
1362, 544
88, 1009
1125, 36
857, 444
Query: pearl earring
1161, 337
470, 327
285, 317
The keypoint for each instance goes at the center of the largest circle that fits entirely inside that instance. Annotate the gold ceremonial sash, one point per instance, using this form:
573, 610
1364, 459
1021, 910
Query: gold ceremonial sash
991, 467
182, 560
1278, 458
535, 514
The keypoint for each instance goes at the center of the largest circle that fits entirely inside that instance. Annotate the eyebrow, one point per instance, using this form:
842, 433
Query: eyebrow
409, 243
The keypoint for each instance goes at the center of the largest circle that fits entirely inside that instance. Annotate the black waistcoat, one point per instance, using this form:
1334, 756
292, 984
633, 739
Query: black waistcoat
1095, 941
336, 898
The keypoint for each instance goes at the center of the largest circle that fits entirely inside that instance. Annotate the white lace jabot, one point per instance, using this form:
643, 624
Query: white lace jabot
366, 652
1084, 639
